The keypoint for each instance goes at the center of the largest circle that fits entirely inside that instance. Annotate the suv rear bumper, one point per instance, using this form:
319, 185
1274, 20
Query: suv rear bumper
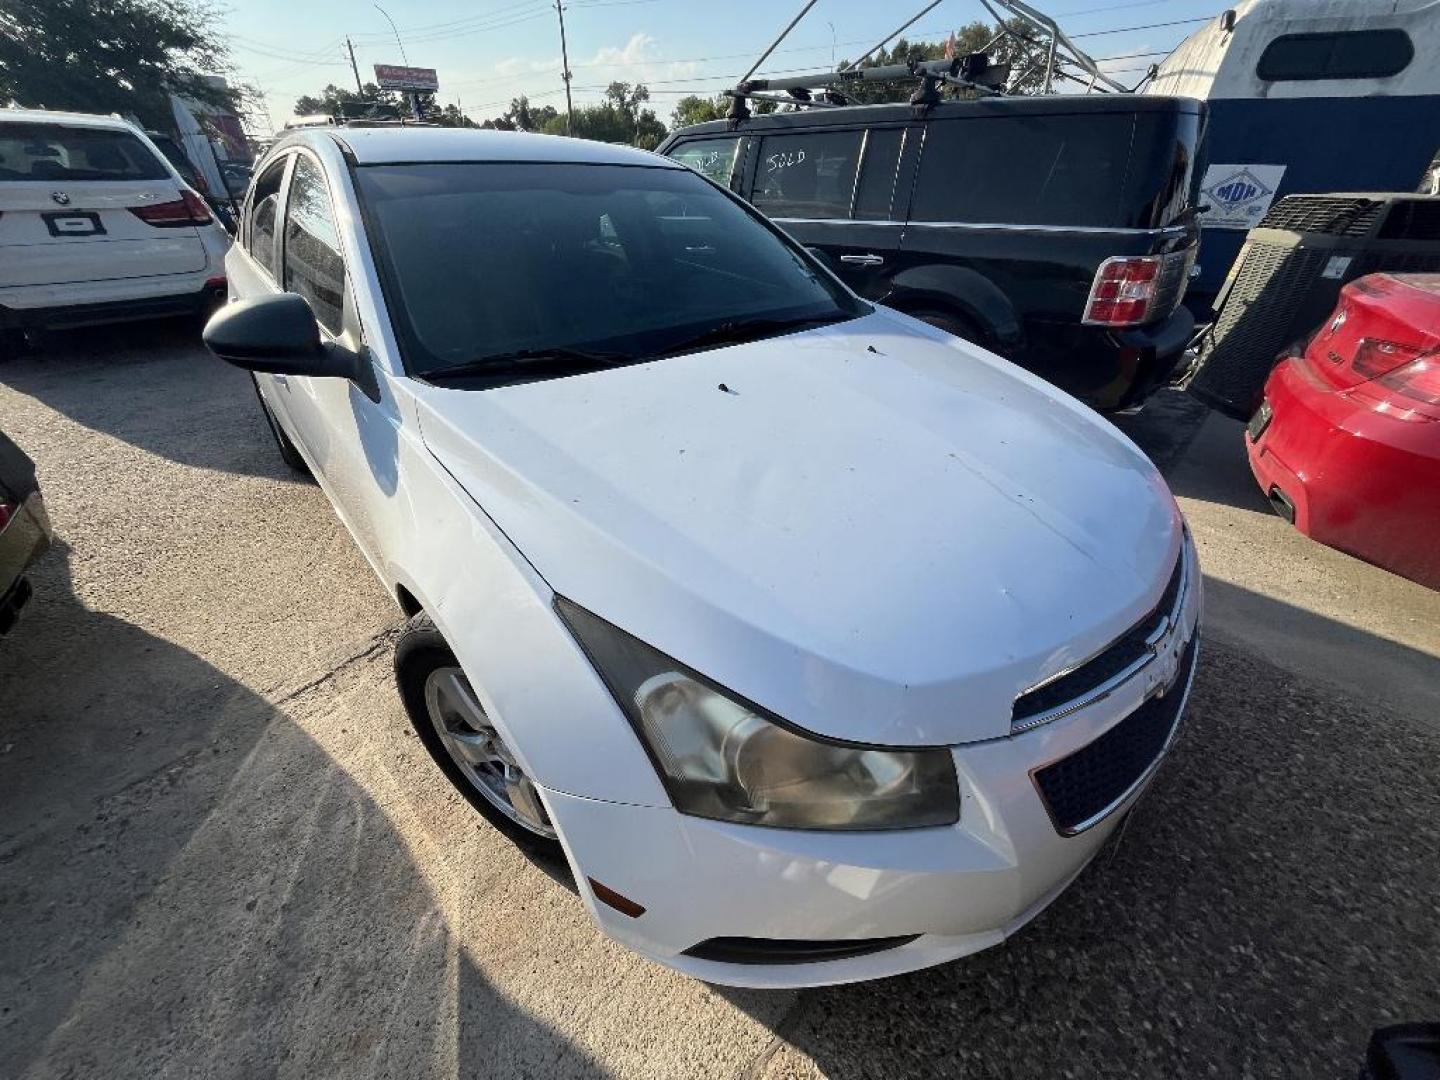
17, 314
1157, 351
1107, 369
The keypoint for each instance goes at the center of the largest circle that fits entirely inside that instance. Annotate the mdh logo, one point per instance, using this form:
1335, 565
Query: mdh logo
1239, 188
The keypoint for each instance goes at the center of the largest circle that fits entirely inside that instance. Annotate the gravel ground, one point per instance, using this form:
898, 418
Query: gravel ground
222, 854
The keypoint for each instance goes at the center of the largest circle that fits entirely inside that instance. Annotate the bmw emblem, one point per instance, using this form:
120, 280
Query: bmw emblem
60, 197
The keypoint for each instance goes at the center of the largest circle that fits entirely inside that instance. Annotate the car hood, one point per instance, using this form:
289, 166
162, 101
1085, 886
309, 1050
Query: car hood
876, 531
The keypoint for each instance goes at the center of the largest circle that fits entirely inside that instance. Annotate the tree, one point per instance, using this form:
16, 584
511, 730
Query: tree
620, 118
124, 56
698, 110
1019, 48
335, 98
522, 116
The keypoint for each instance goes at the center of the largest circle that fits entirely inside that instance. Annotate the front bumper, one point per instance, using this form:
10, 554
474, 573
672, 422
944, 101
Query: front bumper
944, 892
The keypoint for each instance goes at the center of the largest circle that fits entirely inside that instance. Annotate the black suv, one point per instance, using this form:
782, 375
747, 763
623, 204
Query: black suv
1058, 231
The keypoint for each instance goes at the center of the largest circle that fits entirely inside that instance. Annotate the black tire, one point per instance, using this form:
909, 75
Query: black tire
955, 324
288, 453
420, 652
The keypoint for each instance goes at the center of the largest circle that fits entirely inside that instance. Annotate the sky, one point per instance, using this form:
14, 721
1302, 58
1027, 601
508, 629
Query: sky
489, 51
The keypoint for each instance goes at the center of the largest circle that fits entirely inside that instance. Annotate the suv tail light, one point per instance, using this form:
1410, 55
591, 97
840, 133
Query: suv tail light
1134, 289
7, 511
189, 209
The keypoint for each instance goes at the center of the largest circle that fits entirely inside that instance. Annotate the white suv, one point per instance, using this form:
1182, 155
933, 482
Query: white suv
96, 226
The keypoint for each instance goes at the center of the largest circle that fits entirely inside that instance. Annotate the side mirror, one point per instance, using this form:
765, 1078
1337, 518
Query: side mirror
276, 334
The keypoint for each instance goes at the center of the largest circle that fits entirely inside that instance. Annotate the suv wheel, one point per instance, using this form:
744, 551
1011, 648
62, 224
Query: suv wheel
958, 325
447, 715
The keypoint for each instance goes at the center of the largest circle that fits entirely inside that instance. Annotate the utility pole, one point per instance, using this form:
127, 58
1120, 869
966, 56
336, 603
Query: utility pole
565, 71
359, 89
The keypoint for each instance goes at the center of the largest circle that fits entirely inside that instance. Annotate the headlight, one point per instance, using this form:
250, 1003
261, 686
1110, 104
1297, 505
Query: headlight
721, 757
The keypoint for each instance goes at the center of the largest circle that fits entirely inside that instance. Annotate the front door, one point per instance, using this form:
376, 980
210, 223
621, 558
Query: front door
350, 441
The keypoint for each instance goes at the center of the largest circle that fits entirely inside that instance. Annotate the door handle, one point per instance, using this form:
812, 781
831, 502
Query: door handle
862, 260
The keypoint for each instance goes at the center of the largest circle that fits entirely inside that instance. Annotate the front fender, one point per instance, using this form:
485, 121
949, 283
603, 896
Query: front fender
962, 289
495, 612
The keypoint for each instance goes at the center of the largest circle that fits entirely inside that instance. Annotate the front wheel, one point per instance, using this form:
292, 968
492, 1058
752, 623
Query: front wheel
450, 721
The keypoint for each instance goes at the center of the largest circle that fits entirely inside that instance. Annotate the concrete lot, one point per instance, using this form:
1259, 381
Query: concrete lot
222, 853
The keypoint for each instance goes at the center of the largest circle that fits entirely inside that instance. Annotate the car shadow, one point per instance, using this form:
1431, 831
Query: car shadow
191, 885
216, 424
1269, 901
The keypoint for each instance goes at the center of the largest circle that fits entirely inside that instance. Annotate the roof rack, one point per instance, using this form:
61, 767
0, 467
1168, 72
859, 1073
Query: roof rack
973, 71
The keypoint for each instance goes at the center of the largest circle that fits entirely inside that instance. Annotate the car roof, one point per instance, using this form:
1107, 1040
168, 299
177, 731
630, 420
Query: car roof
72, 119
1017, 105
391, 145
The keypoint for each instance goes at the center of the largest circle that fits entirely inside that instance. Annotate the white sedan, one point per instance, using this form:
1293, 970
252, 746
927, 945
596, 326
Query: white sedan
824, 645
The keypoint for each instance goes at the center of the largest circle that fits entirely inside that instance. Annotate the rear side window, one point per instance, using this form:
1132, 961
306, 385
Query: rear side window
807, 174
877, 173
713, 158
264, 203
48, 152
313, 265
1349, 54
1063, 170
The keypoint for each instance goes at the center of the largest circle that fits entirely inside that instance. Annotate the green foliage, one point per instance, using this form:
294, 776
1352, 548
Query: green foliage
522, 116
1026, 58
104, 56
620, 118
698, 110
334, 100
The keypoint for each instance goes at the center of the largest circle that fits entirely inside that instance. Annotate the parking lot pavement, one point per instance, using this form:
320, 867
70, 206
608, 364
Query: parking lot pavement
222, 853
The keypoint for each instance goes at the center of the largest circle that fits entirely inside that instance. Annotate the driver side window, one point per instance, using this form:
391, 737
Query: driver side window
314, 267
260, 228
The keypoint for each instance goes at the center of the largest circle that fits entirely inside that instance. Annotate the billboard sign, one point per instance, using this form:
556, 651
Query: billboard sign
395, 77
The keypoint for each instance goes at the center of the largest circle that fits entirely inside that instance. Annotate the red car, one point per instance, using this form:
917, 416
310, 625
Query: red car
1346, 444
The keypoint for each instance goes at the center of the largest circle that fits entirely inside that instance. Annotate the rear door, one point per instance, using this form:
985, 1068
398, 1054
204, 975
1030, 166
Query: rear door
71, 199
716, 157
833, 190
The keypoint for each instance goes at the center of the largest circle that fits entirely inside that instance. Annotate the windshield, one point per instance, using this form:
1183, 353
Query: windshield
605, 263
55, 152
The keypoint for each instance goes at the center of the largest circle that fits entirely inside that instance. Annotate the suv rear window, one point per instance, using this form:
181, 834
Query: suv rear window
46, 152
1061, 170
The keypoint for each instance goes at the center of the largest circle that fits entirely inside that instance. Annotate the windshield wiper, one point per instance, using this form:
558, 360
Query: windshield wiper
562, 360
735, 331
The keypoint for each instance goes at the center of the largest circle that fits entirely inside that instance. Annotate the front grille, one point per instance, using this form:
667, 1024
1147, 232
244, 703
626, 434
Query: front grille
743, 950
1080, 789
1075, 687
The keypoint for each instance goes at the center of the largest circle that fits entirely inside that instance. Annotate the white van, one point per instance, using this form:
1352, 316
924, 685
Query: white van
96, 226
